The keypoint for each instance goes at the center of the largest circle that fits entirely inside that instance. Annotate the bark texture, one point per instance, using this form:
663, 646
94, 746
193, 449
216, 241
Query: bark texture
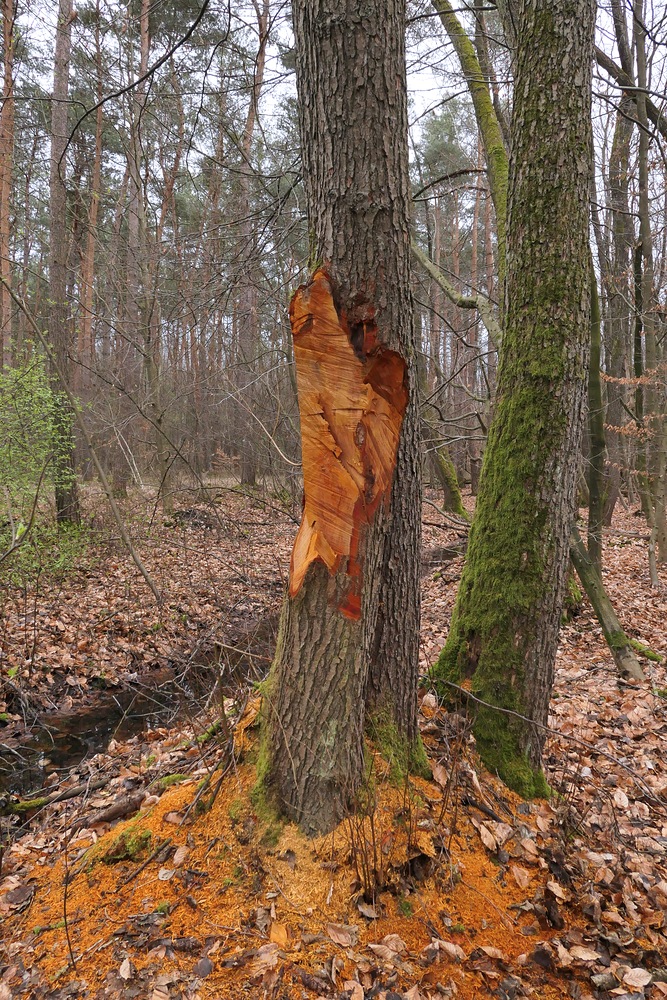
354, 342
505, 626
60, 324
626, 662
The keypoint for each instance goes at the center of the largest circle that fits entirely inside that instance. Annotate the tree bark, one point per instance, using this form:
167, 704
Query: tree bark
595, 435
86, 345
626, 662
6, 164
487, 121
248, 310
353, 342
59, 321
519, 541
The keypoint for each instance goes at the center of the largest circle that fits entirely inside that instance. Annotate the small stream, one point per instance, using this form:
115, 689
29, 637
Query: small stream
61, 740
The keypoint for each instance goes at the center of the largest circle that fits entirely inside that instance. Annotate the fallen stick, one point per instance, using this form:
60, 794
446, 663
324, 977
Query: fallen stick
27, 805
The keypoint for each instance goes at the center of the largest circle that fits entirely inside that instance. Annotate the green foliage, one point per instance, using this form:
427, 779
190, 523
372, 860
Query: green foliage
27, 405
29, 410
48, 550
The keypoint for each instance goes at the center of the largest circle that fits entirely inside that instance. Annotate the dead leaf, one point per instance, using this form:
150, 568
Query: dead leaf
126, 971
564, 957
637, 977
367, 911
165, 874
488, 839
346, 935
381, 950
265, 959
621, 799
493, 952
413, 994
556, 890
203, 968
440, 775
279, 934
584, 954
453, 951
521, 876
396, 943
354, 988
180, 856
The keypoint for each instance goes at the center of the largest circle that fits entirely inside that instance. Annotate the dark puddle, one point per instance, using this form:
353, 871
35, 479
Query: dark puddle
60, 741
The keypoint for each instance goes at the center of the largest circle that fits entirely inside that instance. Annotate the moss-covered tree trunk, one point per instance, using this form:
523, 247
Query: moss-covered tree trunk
505, 626
353, 343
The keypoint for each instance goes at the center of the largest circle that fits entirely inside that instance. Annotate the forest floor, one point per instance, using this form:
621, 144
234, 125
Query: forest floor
159, 877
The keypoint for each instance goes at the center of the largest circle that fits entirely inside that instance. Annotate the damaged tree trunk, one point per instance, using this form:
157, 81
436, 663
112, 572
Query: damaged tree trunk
353, 343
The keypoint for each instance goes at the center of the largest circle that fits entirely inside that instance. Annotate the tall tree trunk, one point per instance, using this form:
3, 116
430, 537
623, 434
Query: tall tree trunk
353, 343
248, 265
595, 436
86, 345
519, 541
6, 163
617, 341
59, 323
487, 121
654, 399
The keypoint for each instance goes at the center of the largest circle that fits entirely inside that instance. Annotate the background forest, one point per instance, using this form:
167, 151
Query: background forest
155, 198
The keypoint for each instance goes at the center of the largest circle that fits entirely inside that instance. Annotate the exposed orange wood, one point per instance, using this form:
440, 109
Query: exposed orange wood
351, 400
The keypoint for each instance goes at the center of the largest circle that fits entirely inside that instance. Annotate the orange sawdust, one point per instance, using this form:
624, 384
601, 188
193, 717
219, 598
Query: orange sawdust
247, 885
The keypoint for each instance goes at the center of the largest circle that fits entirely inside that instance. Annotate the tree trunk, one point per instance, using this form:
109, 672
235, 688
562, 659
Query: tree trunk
617, 340
86, 347
626, 662
595, 436
248, 268
353, 344
6, 163
519, 541
59, 323
487, 121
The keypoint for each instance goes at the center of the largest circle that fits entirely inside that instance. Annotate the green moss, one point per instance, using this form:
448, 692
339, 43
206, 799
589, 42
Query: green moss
162, 908
235, 810
130, 845
271, 834
499, 744
403, 758
452, 500
405, 907
29, 805
161, 784
646, 651
573, 598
